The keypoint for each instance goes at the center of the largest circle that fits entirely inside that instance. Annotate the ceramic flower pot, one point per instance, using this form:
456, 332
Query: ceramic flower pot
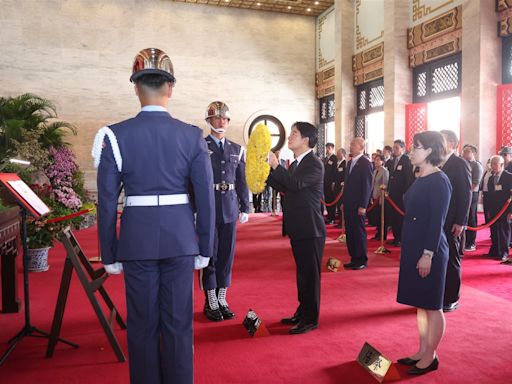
38, 259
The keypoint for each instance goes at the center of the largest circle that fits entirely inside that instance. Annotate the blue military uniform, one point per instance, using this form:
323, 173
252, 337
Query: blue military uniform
231, 198
155, 158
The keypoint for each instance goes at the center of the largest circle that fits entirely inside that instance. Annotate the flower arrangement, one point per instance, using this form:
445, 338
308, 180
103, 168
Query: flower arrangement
257, 168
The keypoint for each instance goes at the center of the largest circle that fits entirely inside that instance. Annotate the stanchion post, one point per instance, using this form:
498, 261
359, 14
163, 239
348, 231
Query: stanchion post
97, 259
382, 249
342, 238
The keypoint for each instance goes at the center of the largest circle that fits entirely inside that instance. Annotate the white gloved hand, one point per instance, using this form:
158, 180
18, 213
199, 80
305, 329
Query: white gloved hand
244, 217
113, 269
201, 262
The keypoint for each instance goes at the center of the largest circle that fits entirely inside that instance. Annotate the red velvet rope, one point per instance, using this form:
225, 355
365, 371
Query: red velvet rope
498, 215
395, 207
62, 218
334, 201
374, 204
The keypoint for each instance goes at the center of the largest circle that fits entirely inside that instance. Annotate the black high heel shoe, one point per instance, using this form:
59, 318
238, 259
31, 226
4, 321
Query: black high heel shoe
407, 361
421, 371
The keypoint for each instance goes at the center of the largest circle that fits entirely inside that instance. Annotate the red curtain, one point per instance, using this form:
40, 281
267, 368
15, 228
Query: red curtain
415, 121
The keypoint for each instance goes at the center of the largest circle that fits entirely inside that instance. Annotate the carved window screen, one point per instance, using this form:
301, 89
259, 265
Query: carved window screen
506, 57
370, 97
439, 79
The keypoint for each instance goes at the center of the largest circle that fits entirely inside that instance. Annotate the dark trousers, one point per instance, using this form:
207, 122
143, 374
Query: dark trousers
396, 219
453, 269
218, 272
308, 259
472, 219
357, 241
500, 237
159, 304
256, 202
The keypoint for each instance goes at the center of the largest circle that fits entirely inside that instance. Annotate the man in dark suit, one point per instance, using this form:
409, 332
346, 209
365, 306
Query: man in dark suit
496, 193
356, 195
459, 173
303, 222
401, 177
155, 158
231, 203
339, 179
330, 163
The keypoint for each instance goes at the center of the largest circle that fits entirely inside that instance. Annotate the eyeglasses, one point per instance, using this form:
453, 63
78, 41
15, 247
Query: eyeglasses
415, 147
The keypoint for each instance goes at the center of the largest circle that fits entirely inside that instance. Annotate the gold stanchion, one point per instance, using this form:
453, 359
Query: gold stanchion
382, 249
342, 238
96, 259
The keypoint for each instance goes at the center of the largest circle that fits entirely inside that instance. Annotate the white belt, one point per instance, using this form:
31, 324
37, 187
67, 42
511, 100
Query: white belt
155, 200
223, 187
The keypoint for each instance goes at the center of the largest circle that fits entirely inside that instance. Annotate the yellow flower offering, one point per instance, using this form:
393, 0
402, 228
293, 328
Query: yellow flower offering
256, 166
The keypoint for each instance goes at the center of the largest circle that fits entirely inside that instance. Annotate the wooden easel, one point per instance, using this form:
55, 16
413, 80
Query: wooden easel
92, 280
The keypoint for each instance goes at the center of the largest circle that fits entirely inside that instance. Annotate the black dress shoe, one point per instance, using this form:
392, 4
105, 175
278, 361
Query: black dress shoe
451, 307
302, 328
407, 361
226, 312
348, 265
397, 243
421, 371
212, 314
356, 267
295, 319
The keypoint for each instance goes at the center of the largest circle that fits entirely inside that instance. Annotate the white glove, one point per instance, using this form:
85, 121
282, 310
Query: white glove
244, 217
113, 269
201, 262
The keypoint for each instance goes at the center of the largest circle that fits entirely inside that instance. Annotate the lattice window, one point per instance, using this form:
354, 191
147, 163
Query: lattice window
320, 146
370, 97
415, 121
445, 78
504, 118
437, 80
506, 60
360, 127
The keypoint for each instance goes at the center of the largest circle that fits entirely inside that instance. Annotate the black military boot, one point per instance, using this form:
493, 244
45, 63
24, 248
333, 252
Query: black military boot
223, 304
211, 306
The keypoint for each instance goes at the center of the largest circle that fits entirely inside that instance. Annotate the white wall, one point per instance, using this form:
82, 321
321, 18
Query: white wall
79, 53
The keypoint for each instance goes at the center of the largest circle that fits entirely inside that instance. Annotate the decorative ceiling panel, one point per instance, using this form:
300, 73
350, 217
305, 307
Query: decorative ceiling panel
297, 7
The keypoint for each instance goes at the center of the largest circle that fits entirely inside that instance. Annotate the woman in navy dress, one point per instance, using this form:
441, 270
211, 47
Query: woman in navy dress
424, 254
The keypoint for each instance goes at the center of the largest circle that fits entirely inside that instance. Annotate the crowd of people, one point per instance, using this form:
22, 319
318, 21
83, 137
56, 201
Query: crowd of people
184, 195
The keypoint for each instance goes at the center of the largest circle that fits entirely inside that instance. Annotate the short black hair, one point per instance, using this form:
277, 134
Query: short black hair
436, 142
471, 147
307, 130
152, 81
379, 156
330, 145
399, 142
388, 148
450, 136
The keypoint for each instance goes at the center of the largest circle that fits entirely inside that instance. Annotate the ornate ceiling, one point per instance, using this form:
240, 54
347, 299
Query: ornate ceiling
298, 7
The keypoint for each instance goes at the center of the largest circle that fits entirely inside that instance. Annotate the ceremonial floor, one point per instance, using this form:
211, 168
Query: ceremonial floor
356, 307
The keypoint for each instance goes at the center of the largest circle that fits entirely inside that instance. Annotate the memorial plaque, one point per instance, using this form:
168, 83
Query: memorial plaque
253, 324
380, 367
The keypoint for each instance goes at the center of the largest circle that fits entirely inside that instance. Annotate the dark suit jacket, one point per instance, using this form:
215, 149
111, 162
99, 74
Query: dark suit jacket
400, 179
495, 199
358, 184
330, 170
459, 172
302, 190
340, 175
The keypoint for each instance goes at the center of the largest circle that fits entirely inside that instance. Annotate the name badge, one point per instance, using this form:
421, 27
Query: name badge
497, 187
329, 162
341, 169
399, 168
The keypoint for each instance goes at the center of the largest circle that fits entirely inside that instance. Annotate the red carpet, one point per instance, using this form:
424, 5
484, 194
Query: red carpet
357, 306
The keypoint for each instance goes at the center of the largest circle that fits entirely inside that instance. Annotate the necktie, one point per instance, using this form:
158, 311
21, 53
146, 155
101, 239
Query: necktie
491, 183
221, 146
395, 163
293, 166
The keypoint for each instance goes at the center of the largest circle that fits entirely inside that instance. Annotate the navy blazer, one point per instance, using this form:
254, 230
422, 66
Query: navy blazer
400, 179
498, 195
160, 156
229, 167
358, 184
459, 173
302, 218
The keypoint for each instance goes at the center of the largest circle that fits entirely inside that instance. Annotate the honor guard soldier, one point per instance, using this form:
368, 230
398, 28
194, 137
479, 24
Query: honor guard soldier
155, 158
231, 203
